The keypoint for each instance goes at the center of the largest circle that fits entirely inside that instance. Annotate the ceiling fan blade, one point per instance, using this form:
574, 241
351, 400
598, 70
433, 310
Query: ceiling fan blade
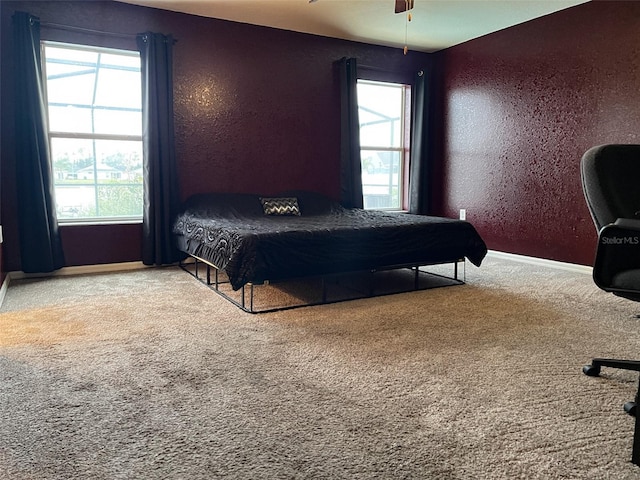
403, 5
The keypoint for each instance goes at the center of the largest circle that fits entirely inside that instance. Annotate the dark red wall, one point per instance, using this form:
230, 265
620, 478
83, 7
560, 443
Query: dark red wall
95, 244
256, 109
521, 107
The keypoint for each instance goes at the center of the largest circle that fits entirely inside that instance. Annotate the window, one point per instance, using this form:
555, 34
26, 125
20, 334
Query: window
384, 143
95, 131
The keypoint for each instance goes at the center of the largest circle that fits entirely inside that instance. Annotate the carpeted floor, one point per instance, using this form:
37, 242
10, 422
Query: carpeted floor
149, 375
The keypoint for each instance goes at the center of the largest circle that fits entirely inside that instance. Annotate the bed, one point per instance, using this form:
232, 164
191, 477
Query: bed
255, 240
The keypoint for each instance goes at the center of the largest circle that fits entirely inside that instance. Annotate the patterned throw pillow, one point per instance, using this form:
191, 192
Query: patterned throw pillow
280, 206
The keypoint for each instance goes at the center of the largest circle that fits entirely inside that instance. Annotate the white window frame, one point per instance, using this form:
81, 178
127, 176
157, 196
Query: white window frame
403, 149
97, 220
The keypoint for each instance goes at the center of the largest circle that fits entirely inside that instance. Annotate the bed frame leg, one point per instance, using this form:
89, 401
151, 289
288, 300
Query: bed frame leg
369, 274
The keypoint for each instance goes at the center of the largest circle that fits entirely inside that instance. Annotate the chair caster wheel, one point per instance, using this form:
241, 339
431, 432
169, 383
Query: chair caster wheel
631, 408
591, 370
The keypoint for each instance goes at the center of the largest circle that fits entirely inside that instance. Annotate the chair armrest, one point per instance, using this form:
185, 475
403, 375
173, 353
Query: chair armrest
628, 223
618, 252
624, 231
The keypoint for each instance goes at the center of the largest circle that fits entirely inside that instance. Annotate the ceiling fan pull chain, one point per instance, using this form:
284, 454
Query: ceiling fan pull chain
406, 26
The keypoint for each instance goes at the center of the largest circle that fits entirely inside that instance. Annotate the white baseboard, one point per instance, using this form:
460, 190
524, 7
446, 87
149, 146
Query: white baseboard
77, 270
3, 289
82, 269
543, 262
119, 267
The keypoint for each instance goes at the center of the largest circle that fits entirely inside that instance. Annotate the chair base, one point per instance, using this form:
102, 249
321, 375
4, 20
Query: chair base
593, 370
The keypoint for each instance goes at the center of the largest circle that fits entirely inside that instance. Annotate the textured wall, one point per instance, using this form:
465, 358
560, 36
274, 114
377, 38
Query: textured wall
256, 109
96, 244
521, 107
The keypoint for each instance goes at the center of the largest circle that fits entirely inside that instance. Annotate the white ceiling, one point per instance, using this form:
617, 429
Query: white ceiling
435, 24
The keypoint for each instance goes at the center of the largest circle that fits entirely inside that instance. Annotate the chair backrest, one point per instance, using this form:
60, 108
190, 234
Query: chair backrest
611, 182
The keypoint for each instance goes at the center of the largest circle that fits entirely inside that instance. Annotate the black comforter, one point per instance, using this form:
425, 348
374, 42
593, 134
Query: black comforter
232, 232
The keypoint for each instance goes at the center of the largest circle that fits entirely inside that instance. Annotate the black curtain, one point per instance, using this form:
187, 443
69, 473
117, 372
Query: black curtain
421, 149
350, 166
40, 244
161, 196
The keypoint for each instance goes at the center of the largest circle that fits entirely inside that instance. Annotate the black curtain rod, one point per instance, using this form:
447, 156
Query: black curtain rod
384, 70
371, 67
85, 30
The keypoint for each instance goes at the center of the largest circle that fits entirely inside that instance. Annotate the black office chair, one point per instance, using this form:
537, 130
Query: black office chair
611, 184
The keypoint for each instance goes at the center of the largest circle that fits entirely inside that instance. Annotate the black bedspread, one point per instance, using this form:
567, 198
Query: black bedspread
232, 232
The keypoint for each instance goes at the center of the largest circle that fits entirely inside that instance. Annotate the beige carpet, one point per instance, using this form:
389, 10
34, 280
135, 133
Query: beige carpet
149, 375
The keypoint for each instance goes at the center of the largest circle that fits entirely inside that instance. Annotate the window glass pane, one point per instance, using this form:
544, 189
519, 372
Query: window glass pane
117, 122
111, 159
118, 88
381, 174
69, 156
120, 60
75, 201
93, 92
380, 112
94, 201
97, 178
72, 119
67, 118
71, 85
95, 107
123, 159
71, 54
119, 200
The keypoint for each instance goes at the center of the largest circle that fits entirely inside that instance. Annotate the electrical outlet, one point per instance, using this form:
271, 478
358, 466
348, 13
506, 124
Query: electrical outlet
463, 214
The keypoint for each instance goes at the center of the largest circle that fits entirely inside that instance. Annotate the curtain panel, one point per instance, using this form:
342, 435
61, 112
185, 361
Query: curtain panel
40, 243
421, 151
161, 196
350, 164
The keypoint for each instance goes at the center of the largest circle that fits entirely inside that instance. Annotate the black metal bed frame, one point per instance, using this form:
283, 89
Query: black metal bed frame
246, 301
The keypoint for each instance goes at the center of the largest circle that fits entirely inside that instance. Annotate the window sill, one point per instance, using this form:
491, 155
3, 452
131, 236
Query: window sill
93, 222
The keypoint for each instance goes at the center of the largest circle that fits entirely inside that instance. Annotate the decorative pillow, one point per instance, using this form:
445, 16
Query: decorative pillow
280, 206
